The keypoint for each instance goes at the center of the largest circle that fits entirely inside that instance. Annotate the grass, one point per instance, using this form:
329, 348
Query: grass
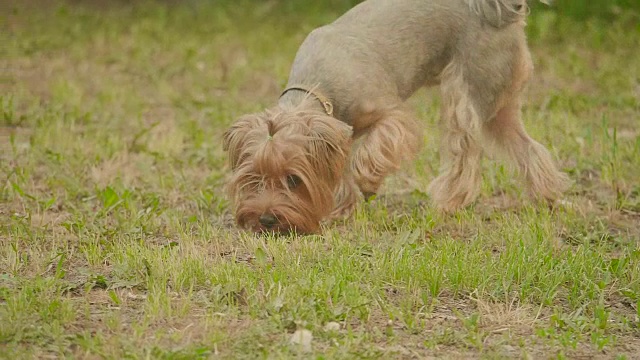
116, 240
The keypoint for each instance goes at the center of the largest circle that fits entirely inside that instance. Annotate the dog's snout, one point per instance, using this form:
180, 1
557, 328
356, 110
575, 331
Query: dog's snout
268, 220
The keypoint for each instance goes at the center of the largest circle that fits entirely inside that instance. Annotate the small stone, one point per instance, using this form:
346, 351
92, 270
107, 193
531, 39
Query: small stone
332, 326
302, 339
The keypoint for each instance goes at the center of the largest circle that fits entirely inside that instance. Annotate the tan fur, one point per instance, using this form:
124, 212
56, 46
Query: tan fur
295, 165
393, 137
263, 147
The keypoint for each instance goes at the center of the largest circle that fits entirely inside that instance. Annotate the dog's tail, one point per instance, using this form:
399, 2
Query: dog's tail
500, 13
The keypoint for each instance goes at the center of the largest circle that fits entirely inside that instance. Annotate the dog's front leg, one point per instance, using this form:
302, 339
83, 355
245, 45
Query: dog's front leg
345, 197
394, 137
458, 183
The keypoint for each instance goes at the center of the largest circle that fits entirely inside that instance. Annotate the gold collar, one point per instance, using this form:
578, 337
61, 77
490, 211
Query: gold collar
326, 103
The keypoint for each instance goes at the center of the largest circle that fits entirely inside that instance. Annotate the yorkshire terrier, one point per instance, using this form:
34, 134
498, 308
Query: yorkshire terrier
341, 125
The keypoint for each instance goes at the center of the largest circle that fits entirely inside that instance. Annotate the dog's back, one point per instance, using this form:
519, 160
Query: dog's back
497, 13
383, 47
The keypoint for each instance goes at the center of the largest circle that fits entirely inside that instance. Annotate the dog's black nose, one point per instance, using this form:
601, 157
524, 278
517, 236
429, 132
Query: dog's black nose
268, 220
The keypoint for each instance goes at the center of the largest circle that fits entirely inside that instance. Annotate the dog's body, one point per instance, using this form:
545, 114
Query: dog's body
297, 163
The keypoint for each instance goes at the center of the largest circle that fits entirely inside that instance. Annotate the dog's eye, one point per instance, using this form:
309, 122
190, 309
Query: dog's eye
293, 181
518, 8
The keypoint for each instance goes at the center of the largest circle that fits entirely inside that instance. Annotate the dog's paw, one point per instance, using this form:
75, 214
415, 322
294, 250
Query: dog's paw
448, 195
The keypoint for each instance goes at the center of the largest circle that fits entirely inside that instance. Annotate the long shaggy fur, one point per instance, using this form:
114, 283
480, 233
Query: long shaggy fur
303, 144
394, 137
342, 126
459, 181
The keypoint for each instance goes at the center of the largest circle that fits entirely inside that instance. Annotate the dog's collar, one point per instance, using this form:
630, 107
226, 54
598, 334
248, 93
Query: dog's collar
326, 103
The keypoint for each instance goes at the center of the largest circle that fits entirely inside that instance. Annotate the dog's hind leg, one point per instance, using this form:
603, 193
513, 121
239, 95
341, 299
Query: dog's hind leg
458, 183
506, 135
394, 137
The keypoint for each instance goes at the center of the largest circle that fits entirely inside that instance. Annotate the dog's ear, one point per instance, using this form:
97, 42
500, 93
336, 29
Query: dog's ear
329, 145
235, 139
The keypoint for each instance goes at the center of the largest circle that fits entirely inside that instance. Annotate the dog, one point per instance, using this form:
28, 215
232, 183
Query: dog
341, 124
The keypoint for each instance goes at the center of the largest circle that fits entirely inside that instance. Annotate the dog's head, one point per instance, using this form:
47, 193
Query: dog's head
286, 167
